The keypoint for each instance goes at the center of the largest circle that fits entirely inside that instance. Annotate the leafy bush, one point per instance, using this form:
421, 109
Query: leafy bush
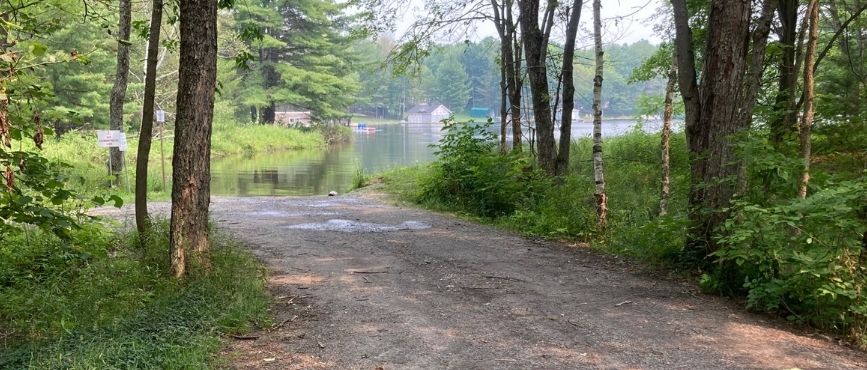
803, 258
471, 176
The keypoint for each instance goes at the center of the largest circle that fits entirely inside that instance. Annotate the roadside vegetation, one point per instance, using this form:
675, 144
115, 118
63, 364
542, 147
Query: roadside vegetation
98, 299
796, 257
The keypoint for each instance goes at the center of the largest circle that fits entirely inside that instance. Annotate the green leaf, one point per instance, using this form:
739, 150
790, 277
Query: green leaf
118, 202
38, 49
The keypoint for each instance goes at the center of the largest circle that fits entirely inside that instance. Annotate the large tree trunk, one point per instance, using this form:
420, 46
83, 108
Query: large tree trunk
712, 114
142, 220
197, 79
118, 91
598, 172
535, 50
667, 114
782, 121
809, 94
567, 76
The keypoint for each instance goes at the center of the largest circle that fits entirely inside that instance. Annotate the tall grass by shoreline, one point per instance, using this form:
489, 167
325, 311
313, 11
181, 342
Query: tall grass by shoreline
87, 163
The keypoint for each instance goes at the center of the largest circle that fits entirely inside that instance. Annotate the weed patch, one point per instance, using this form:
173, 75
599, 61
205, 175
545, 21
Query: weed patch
100, 301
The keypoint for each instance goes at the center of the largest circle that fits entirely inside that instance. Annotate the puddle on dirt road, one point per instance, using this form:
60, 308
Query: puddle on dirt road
348, 226
290, 214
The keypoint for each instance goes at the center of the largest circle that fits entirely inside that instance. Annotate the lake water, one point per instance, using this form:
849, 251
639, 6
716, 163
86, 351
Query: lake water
317, 172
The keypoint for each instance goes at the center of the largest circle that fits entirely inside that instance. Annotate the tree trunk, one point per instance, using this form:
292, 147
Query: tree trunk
504, 107
667, 113
197, 79
142, 220
535, 49
753, 82
505, 48
782, 121
118, 91
598, 173
809, 95
516, 89
510, 51
269, 114
567, 76
712, 114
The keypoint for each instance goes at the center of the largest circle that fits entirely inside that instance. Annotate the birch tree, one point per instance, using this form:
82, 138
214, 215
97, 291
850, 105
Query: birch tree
598, 172
667, 113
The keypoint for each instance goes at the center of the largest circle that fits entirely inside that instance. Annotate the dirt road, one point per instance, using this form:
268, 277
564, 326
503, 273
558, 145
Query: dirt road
366, 285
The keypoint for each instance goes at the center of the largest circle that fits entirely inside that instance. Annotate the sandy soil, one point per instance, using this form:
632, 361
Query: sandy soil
361, 284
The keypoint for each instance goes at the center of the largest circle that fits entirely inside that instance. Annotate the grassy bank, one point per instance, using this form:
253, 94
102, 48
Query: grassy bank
98, 301
802, 259
88, 175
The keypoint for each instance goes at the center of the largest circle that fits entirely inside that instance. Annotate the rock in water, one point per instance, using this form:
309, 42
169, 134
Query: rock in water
332, 193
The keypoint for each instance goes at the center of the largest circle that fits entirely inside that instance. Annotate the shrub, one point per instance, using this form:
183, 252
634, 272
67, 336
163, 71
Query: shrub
803, 258
471, 176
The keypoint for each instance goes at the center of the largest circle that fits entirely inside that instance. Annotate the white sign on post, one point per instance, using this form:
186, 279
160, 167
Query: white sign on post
111, 139
161, 116
122, 146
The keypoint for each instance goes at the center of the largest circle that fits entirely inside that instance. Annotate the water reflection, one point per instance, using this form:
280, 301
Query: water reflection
317, 172
320, 171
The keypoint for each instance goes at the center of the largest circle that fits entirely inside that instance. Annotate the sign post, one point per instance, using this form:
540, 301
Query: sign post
161, 119
112, 139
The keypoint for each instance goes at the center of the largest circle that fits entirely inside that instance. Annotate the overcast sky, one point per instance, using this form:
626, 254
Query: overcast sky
624, 21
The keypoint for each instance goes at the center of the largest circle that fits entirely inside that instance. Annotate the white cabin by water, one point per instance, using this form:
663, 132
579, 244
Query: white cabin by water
290, 115
428, 113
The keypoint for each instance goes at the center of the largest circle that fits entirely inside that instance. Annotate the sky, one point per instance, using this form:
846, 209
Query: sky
624, 21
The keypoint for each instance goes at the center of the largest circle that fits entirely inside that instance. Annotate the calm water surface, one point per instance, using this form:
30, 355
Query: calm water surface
320, 171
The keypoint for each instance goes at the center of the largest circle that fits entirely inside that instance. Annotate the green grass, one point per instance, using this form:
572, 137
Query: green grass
88, 174
99, 302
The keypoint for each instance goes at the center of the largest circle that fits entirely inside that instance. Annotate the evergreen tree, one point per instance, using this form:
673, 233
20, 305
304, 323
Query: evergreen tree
451, 86
303, 57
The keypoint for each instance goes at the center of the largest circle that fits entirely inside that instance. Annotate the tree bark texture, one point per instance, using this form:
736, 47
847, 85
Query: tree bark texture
667, 114
504, 105
753, 82
142, 220
567, 76
783, 120
806, 124
712, 114
510, 67
598, 172
197, 78
535, 51
516, 87
118, 90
